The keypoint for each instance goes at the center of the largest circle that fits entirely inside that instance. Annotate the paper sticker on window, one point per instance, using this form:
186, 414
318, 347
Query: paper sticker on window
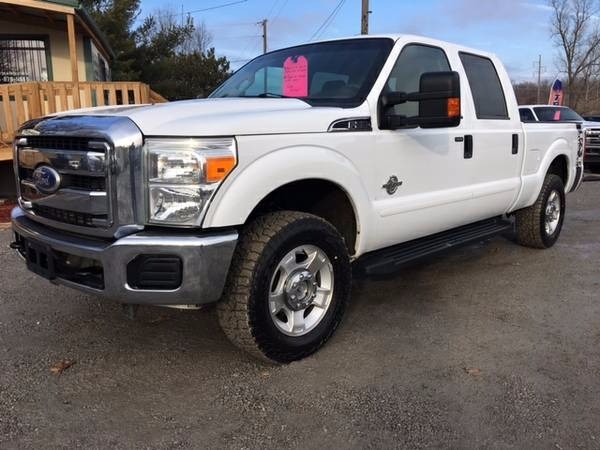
295, 77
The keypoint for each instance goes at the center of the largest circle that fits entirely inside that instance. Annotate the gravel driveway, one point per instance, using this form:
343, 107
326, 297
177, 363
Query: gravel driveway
493, 345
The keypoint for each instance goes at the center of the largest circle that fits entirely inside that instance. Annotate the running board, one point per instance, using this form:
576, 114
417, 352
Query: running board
388, 260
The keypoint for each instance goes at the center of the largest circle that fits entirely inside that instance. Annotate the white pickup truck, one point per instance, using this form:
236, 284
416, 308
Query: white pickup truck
308, 164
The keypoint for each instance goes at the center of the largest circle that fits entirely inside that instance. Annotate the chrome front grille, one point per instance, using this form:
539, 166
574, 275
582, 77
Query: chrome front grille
99, 162
592, 141
71, 181
70, 217
82, 198
64, 143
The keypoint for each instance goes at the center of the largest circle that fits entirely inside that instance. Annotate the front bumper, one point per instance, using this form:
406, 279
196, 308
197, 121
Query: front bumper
204, 262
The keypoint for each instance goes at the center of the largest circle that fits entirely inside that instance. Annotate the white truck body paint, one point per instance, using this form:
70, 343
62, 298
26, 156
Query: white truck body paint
441, 190
284, 140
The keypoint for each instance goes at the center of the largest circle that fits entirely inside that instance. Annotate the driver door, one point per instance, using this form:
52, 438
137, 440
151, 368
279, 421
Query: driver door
430, 163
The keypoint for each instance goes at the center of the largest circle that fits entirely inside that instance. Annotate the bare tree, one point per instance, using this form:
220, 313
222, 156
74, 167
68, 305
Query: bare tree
202, 37
576, 32
526, 91
196, 37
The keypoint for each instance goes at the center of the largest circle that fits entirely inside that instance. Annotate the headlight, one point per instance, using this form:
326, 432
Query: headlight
182, 175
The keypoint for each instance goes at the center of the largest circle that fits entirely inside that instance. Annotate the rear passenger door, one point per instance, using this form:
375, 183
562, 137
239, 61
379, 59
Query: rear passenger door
497, 134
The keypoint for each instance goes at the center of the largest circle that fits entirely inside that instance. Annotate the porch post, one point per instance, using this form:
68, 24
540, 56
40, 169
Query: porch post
73, 57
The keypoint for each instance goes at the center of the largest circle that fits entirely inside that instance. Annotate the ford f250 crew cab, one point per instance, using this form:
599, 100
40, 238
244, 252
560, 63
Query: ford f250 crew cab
307, 165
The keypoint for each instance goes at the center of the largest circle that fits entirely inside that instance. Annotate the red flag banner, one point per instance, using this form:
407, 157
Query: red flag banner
556, 94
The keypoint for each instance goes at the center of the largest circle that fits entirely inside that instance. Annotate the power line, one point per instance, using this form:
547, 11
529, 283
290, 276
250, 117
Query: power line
188, 13
250, 36
250, 42
262, 23
283, 5
228, 25
272, 8
328, 20
224, 5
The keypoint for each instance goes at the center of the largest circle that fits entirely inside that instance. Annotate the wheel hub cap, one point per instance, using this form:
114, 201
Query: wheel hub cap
300, 289
552, 216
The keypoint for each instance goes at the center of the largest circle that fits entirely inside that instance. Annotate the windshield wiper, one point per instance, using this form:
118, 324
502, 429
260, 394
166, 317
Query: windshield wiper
272, 94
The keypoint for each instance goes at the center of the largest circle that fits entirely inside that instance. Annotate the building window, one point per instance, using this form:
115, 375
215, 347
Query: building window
96, 67
23, 59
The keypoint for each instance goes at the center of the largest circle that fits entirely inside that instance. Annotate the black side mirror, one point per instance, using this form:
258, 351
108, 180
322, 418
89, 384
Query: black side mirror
438, 98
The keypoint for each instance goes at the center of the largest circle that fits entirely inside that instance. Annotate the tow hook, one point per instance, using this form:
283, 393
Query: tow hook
16, 246
129, 310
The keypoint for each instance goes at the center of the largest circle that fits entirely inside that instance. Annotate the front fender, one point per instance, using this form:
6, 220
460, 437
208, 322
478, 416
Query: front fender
246, 186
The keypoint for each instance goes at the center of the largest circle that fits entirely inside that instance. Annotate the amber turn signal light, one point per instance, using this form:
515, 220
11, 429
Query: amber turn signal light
454, 107
218, 168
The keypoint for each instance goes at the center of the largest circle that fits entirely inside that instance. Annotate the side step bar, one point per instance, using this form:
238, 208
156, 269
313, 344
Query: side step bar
388, 260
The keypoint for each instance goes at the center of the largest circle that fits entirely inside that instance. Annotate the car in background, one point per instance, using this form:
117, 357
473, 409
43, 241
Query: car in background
551, 113
592, 118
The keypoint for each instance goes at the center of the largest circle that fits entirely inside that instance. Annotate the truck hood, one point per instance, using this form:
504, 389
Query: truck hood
227, 116
588, 124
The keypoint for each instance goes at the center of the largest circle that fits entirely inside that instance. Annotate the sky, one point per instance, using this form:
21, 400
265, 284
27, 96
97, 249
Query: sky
516, 30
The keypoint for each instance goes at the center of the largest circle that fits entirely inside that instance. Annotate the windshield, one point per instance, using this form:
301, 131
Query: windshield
338, 73
556, 114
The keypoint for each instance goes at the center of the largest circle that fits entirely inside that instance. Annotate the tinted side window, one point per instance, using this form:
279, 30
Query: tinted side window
526, 115
557, 114
414, 61
486, 88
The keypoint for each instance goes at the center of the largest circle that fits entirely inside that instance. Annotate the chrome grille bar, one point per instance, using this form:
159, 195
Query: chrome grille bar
75, 205
98, 161
592, 141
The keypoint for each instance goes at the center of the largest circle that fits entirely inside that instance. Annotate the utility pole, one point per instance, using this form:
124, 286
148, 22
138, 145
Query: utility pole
539, 70
264, 35
539, 81
263, 23
364, 17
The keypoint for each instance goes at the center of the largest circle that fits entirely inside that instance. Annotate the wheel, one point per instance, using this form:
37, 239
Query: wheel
540, 224
287, 288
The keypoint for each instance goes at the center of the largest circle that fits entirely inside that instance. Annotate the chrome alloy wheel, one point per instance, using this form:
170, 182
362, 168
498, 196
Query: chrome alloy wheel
301, 290
552, 215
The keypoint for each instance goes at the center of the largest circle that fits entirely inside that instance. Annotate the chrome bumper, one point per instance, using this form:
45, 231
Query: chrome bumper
205, 261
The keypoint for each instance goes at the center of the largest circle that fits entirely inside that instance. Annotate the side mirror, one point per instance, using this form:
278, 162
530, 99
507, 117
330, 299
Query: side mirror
438, 98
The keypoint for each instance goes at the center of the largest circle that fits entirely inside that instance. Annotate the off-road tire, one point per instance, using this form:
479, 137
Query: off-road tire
243, 311
530, 221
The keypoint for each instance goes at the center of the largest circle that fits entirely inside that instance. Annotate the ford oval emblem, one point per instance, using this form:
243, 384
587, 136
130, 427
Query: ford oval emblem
46, 179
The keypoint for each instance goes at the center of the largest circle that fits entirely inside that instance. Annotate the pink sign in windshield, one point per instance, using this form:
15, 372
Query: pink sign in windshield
295, 77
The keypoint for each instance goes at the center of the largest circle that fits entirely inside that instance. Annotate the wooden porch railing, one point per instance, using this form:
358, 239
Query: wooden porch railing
25, 101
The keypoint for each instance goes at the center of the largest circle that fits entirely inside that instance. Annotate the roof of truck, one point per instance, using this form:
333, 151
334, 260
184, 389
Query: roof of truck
419, 39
